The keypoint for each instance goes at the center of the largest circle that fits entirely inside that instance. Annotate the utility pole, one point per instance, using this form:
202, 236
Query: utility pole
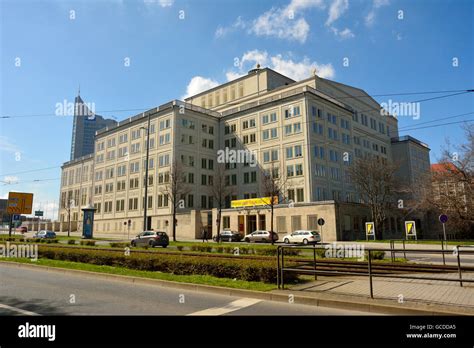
145, 205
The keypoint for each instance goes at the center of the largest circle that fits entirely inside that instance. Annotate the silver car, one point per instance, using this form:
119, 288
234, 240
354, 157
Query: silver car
261, 236
151, 238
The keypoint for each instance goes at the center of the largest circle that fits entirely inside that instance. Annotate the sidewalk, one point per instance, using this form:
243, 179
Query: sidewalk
400, 292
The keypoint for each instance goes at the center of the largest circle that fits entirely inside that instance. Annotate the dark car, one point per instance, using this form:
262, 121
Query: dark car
151, 238
45, 234
230, 236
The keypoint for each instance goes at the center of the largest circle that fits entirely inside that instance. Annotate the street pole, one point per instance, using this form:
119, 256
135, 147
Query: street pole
145, 205
69, 219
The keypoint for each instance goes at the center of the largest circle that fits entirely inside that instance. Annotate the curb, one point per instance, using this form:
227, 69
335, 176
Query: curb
347, 302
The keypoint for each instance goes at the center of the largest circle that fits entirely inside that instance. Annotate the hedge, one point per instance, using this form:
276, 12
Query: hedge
244, 250
249, 270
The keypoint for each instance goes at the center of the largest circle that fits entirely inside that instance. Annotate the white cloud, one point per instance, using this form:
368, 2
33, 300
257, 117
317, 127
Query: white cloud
343, 34
199, 84
162, 3
10, 179
232, 75
223, 31
286, 66
336, 10
369, 19
300, 70
280, 22
297, 70
7, 146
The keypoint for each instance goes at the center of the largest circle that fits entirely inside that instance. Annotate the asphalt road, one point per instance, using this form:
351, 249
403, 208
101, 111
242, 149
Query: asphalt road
29, 292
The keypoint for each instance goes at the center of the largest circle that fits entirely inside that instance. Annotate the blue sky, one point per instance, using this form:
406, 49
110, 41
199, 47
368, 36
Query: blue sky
178, 47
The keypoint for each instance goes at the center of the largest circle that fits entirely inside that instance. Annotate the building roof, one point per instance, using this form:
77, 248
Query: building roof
443, 167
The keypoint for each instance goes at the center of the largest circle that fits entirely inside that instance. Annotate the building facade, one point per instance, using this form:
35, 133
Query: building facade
308, 132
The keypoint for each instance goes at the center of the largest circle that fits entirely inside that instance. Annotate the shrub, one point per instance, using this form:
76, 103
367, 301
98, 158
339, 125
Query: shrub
375, 255
220, 249
88, 242
71, 241
242, 269
180, 247
119, 245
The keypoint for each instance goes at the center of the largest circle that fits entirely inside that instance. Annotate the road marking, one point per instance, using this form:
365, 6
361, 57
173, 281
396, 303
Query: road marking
19, 310
231, 307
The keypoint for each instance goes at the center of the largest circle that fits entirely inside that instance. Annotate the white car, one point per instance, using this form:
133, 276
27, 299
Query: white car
302, 236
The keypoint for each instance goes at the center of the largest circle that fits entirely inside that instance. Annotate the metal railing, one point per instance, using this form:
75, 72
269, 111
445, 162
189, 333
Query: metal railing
283, 268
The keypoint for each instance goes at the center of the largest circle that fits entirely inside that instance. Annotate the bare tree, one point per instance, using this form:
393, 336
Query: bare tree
452, 184
375, 181
220, 190
273, 185
174, 189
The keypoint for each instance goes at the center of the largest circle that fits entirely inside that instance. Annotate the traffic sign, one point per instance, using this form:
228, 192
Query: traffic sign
38, 213
410, 228
370, 228
443, 218
19, 203
16, 217
321, 221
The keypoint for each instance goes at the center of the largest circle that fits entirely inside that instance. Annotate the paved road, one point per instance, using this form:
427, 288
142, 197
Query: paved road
28, 292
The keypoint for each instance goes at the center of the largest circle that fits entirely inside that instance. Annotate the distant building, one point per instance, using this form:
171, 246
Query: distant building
86, 123
413, 160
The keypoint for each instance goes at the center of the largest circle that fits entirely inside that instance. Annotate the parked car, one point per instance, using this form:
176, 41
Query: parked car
261, 236
302, 236
22, 229
45, 234
151, 238
229, 236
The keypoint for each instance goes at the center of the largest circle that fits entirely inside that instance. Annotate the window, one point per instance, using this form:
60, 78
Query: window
108, 207
292, 111
164, 124
289, 152
164, 160
136, 133
290, 171
298, 151
318, 128
319, 152
320, 170
122, 170
133, 183
300, 195
299, 169
133, 204
123, 138
134, 167
120, 205
135, 148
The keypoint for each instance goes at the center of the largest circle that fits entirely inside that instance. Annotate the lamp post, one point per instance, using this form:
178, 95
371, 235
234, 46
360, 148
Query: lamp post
145, 204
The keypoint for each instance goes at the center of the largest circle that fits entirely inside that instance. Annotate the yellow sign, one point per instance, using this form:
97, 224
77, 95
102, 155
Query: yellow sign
252, 202
19, 203
410, 228
369, 228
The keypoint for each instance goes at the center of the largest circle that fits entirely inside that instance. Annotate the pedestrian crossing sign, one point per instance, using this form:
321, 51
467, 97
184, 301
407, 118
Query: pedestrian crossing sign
369, 229
410, 228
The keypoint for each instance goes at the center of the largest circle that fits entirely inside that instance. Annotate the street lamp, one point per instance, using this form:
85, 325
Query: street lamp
145, 205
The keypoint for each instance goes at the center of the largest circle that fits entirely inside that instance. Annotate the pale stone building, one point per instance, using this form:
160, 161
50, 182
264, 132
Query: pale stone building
308, 131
